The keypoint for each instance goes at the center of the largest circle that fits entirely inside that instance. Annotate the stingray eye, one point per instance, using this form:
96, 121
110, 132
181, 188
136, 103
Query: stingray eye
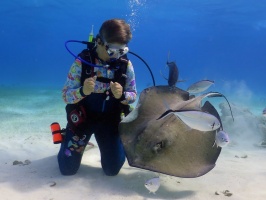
158, 146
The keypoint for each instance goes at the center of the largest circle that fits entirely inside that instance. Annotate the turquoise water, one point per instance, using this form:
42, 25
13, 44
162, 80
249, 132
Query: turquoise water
219, 40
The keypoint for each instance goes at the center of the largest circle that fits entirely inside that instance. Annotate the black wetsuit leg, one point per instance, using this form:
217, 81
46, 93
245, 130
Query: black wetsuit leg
71, 151
111, 148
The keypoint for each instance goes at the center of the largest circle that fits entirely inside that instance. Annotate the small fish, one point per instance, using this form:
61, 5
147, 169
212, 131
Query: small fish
153, 184
173, 73
197, 120
264, 112
221, 139
200, 86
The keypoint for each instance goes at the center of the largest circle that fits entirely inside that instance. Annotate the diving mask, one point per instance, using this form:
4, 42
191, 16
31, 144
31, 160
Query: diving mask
116, 51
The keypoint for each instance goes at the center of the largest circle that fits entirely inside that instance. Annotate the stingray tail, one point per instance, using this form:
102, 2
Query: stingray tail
218, 94
163, 75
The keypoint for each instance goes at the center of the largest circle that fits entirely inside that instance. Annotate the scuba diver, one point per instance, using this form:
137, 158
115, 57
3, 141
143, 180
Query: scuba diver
100, 86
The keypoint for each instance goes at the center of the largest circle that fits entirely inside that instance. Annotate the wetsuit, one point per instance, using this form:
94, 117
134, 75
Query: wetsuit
103, 117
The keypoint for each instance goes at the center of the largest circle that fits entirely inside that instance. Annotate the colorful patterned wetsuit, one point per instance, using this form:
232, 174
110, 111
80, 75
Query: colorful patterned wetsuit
105, 130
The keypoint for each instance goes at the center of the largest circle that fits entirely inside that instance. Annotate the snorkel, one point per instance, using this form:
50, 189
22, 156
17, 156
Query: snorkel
91, 35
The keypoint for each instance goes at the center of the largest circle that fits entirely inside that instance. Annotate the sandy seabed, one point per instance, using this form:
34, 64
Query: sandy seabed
29, 169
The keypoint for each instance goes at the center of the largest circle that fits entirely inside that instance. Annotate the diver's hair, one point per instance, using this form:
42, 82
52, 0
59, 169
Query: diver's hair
115, 31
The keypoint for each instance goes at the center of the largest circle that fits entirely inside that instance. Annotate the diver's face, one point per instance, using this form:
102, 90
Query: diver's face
102, 53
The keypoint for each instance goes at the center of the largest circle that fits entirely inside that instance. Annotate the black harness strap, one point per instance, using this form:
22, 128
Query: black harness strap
119, 65
87, 71
120, 68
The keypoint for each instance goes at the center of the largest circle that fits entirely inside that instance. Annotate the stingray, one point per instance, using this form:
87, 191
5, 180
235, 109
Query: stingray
168, 146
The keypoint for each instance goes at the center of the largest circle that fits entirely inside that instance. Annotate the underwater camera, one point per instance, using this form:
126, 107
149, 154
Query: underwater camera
57, 132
